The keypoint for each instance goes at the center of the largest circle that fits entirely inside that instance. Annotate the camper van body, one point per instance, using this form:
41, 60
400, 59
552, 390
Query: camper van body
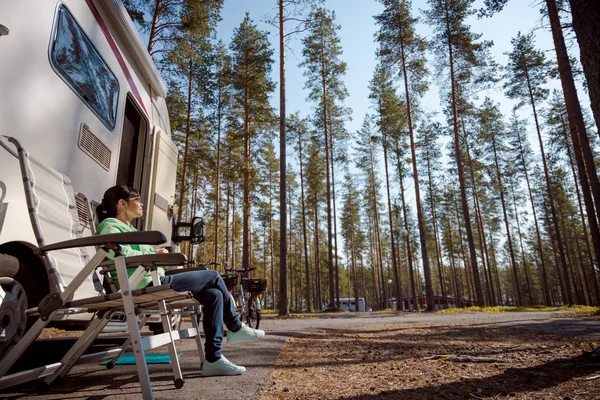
81, 94
349, 304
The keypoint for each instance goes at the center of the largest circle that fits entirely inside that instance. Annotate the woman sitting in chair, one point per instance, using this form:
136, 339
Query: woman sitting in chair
120, 205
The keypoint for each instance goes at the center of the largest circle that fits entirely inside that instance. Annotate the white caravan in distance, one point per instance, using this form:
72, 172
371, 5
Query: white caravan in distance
80, 93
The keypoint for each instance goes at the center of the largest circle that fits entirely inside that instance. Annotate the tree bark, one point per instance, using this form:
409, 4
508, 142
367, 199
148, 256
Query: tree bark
576, 122
391, 219
550, 189
217, 184
306, 259
461, 174
187, 138
283, 289
507, 227
545, 286
409, 254
420, 218
586, 23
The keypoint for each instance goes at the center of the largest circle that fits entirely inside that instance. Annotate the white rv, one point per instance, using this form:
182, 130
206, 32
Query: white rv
349, 304
80, 93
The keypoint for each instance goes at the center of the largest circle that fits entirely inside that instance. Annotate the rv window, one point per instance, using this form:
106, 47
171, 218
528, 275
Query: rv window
78, 62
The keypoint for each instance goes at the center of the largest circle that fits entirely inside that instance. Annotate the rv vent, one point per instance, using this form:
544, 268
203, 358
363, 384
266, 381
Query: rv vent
93, 147
83, 211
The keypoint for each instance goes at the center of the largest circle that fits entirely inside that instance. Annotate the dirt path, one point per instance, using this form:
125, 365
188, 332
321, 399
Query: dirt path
370, 356
466, 356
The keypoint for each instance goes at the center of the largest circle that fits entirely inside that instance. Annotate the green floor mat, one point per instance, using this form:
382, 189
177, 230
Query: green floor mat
129, 359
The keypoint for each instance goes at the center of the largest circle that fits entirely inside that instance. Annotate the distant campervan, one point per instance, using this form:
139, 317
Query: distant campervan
349, 304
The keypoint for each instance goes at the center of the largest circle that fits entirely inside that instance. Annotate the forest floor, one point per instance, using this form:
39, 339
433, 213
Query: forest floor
421, 361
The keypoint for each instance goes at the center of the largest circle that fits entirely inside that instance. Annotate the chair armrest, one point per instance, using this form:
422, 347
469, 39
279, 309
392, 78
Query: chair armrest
186, 269
164, 260
147, 237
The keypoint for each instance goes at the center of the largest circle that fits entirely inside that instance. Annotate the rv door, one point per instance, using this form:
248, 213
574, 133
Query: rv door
162, 187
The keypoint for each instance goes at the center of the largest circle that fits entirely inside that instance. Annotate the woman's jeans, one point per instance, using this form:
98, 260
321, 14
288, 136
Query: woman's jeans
208, 288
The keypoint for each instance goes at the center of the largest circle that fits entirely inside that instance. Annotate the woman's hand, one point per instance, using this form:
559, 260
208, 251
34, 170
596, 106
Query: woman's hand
162, 251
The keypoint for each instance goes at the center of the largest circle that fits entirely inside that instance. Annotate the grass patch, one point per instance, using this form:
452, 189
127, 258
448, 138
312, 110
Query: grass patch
332, 309
577, 310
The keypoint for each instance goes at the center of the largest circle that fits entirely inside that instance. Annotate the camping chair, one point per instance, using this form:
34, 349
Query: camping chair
146, 263
75, 285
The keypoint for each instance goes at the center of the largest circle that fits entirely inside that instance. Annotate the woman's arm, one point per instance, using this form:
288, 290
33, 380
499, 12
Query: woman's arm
126, 249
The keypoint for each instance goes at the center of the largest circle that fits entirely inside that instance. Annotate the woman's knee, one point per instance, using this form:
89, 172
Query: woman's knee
210, 297
213, 274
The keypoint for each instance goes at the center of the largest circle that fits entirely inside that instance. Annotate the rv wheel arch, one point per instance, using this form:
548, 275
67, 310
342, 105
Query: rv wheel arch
23, 283
30, 271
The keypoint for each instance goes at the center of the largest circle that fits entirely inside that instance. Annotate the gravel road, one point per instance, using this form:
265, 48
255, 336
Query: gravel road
95, 382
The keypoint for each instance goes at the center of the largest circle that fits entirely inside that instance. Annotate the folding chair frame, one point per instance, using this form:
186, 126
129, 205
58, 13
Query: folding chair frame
59, 301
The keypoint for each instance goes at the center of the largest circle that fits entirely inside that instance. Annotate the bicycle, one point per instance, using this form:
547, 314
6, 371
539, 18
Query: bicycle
245, 294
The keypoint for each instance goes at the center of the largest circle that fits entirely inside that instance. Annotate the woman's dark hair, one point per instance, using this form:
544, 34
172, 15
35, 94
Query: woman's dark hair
108, 207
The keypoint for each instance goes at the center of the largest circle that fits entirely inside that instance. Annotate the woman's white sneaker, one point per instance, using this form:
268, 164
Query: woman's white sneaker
221, 367
245, 334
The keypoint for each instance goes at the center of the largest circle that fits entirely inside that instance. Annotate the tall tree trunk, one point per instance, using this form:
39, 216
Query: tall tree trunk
438, 249
335, 244
507, 227
318, 299
271, 246
283, 290
187, 139
325, 120
466, 261
377, 228
246, 192
550, 189
555, 252
217, 187
153, 25
589, 206
391, 221
420, 218
485, 259
374, 263
458, 300
353, 261
306, 259
523, 254
233, 238
545, 287
576, 122
586, 23
409, 254
227, 221
461, 173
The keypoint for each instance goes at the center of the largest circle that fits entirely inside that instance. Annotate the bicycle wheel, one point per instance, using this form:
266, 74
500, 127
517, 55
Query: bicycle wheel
253, 318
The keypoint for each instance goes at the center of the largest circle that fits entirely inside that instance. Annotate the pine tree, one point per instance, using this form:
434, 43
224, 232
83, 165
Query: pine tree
492, 133
522, 160
400, 43
430, 155
298, 129
556, 120
324, 71
390, 119
586, 23
252, 62
351, 229
457, 50
527, 71
366, 162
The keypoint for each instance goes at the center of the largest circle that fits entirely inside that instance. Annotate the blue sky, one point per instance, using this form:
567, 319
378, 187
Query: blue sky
357, 38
